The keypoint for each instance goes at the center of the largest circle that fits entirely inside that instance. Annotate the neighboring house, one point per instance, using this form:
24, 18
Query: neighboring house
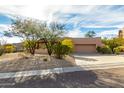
19, 46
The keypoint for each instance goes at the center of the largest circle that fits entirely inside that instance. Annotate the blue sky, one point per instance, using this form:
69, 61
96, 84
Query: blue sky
104, 20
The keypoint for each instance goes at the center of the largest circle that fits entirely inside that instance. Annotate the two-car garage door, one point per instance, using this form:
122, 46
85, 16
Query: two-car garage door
85, 48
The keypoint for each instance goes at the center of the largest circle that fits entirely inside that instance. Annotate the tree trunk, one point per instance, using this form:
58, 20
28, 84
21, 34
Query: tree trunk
47, 46
32, 51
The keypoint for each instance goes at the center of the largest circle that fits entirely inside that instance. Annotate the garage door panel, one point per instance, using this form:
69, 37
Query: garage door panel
88, 48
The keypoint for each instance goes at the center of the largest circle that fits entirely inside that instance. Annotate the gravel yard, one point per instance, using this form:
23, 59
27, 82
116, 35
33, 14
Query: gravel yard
20, 62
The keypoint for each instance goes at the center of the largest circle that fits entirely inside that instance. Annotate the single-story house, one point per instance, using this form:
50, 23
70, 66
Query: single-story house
81, 45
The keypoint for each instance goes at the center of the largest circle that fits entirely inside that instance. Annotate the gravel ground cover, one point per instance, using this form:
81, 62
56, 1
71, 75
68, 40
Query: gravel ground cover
20, 62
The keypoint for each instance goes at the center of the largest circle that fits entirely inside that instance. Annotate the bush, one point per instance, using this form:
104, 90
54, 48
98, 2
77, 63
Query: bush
119, 49
9, 48
68, 42
30, 46
113, 43
61, 50
45, 59
98, 48
104, 50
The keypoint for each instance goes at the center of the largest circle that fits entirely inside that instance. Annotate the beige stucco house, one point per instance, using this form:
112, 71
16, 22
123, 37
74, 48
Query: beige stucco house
81, 45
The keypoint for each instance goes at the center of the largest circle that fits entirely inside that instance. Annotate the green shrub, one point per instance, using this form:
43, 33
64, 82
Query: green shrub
104, 50
98, 48
61, 50
30, 46
119, 49
45, 59
9, 48
113, 43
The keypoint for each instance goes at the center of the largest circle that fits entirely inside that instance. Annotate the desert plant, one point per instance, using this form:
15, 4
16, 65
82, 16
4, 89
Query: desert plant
51, 34
98, 48
45, 59
61, 50
68, 42
26, 29
9, 48
104, 49
30, 46
119, 49
113, 43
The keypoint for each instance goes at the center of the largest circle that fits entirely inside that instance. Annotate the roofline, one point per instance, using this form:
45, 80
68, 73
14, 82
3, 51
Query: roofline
83, 37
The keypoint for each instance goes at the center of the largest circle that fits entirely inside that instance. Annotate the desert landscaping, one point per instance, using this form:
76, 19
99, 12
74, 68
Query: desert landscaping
58, 54
21, 62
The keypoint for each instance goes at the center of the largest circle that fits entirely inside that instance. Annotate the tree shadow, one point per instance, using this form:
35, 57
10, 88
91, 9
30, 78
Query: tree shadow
63, 80
77, 79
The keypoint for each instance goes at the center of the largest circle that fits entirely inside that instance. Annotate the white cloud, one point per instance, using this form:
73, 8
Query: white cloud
11, 39
75, 33
87, 16
38, 12
4, 27
103, 15
108, 33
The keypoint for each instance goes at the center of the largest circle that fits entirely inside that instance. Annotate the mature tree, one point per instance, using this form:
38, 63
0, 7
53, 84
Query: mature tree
50, 34
26, 29
31, 31
90, 34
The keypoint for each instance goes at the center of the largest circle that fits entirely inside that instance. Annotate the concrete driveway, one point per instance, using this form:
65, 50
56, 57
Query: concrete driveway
99, 60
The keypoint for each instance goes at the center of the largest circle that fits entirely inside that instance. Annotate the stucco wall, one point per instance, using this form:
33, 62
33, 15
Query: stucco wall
86, 45
96, 41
